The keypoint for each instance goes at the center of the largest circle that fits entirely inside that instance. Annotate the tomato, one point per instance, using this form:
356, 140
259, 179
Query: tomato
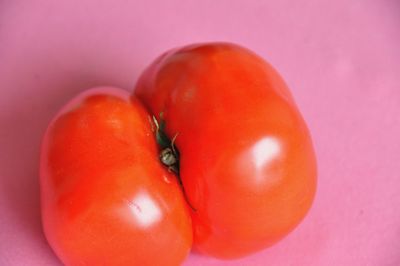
247, 162
106, 198
216, 115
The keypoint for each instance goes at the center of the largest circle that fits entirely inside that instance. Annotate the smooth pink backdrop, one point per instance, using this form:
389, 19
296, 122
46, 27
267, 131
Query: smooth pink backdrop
340, 58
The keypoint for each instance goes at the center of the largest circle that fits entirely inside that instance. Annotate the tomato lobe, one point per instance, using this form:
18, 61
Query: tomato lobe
246, 158
106, 198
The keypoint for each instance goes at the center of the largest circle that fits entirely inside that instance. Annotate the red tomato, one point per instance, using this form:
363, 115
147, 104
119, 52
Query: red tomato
246, 158
106, 198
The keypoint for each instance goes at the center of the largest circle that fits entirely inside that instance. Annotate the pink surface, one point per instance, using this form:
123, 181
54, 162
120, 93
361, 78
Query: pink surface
340, 58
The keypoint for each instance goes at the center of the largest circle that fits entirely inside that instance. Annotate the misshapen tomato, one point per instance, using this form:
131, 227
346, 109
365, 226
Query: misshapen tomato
106, 199
247, 161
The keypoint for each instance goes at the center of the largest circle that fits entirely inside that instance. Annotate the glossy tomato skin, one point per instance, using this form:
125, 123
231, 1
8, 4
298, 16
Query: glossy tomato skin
106, 199
247, 160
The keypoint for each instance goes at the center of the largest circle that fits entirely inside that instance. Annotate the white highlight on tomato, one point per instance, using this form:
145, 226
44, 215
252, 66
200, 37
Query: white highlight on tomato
264, 151
145, 210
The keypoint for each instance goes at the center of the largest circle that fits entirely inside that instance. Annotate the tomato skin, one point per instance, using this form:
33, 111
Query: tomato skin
247, 160
106, 199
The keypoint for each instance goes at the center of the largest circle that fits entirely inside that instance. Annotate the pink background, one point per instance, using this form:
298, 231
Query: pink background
340, 58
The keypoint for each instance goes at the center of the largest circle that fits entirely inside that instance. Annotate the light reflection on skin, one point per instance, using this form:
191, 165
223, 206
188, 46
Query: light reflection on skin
114, 122
145, 210
265, 151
